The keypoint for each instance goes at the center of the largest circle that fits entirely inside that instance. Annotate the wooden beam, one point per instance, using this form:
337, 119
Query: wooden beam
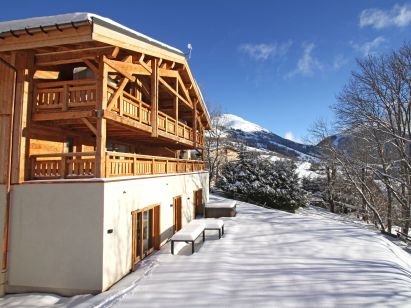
154, 97
49, 116
25, 72
101, 121
68, 56
183, 87
91, 66
167, 86
116, 95
126, 122
195, 123
53, 37
119, 68
89, 125
176, 107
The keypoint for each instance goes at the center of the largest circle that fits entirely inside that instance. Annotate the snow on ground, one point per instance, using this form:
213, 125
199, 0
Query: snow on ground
303, 170
37, 300
270, 258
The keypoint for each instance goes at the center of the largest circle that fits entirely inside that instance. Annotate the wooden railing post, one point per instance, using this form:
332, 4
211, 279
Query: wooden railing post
65, 98
121, 104
108, 165
63, 169
166, 165
134, 165
152, 165
33, 167
139, 112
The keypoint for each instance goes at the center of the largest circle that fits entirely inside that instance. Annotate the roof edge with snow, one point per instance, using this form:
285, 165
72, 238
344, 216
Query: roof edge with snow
72, 18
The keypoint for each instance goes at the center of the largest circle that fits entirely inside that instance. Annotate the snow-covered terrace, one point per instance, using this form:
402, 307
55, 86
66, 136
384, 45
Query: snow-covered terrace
270, 258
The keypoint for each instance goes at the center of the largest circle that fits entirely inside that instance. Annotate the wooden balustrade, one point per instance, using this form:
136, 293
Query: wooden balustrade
65, 94
80, 94
123, 164
129, 106
82, 165
63, 165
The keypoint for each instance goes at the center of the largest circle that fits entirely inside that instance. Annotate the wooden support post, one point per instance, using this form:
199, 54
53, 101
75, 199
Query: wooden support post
101, 122
24, 90
63, 167
176, 109
154, 97
195, 123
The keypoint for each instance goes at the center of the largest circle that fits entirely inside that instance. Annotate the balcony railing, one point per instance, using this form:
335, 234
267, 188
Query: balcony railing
82, 165
65, 95
81, 94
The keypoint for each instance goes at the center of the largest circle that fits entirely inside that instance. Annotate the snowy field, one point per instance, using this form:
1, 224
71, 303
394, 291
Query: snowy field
271, 259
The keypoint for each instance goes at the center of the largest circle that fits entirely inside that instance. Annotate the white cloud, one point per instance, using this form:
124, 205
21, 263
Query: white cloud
265, 51
398, 16
307, 64
371, 46
339, 61
290, 136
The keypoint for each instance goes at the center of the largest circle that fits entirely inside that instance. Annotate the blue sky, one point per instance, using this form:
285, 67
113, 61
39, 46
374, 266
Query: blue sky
277, 63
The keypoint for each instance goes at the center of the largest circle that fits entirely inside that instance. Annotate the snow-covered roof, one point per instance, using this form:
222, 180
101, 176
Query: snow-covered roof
36, 22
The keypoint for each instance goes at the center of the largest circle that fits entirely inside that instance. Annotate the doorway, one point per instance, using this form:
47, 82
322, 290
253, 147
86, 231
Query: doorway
145, 233
177, 217
198, 203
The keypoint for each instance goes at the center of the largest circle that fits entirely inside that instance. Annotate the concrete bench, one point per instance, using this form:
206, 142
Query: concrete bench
189, 233
220, 208
212, 224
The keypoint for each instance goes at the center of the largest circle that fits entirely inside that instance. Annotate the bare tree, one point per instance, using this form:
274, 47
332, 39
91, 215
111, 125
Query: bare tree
375, 107
214, 144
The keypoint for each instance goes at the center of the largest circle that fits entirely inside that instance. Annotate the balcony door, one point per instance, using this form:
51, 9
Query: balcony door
145, 233
177, 217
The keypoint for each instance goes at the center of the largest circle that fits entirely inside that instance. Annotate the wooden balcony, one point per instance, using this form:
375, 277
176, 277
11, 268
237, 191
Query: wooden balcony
60, 100
82, 165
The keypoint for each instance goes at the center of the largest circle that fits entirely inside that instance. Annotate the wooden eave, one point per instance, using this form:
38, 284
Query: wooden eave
46, 36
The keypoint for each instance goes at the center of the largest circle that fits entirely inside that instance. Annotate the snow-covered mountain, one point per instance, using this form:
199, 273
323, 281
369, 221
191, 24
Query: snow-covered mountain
253, 135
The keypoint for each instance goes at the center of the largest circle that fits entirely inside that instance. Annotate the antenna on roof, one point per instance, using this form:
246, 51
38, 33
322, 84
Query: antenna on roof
190, 48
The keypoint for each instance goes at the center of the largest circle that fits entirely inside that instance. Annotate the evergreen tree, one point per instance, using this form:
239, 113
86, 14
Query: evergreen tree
273, 184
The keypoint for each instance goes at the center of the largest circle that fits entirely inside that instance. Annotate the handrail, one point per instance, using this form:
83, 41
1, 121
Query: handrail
64, 154
132, 155
52, 84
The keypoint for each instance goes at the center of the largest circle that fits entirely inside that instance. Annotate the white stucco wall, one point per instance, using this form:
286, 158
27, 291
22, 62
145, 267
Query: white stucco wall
58, 231
56, 237
123, 197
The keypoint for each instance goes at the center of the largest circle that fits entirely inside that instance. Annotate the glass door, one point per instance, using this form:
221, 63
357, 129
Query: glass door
145, 233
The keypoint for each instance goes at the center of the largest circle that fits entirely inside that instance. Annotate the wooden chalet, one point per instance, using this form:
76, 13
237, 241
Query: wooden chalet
83, 98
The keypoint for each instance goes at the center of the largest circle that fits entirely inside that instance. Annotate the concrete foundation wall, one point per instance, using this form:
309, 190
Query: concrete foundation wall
56, 237
123, 197
59, 239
